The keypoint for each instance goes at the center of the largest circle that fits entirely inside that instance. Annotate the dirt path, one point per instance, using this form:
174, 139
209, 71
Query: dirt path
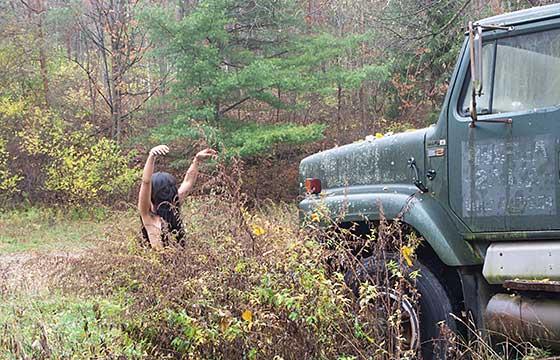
30, 272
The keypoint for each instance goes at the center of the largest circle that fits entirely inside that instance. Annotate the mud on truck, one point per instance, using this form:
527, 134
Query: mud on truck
484, 181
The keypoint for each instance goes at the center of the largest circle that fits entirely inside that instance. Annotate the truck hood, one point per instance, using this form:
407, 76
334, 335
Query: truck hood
367, 162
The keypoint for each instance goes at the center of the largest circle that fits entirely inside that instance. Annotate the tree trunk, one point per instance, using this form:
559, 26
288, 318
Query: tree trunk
116, 91
43, 60
339, 103
37, 8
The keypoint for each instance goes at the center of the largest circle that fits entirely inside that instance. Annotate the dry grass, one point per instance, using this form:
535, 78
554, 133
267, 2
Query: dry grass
250, 284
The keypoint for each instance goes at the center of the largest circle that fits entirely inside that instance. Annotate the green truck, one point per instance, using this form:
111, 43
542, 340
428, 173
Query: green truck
483, 183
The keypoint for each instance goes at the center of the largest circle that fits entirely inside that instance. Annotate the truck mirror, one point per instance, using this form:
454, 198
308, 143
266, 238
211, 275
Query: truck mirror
475, 46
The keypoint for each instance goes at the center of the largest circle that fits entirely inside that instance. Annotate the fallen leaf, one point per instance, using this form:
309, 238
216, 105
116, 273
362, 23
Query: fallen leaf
315, 217
224, 323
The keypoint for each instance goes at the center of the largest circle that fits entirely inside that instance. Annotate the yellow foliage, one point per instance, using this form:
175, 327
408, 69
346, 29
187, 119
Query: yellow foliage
41, 133
247, 315
407, 253
92, 169
78, 164
257, 230
11, 108
315, 217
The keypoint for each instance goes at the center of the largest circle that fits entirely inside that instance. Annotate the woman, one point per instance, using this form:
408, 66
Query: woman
159, 199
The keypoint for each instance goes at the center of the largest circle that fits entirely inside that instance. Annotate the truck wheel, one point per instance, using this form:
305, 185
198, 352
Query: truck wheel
423, 321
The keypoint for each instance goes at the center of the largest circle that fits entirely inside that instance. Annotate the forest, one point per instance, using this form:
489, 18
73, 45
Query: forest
88, 87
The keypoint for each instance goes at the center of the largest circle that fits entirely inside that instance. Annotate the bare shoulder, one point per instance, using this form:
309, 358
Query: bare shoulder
149, 219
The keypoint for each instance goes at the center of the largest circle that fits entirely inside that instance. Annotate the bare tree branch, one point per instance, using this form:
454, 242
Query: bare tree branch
93, 81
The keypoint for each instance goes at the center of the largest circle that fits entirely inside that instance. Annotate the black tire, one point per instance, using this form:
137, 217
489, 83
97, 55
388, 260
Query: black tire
435, 305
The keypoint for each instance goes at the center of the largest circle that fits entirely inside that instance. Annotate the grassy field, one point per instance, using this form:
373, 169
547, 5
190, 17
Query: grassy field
38, 318
63, 327
48, 229
250, 284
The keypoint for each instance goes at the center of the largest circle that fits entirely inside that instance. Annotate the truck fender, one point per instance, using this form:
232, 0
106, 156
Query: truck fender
420, 211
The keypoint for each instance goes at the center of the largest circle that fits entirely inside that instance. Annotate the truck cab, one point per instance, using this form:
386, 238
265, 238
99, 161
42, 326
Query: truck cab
482, 185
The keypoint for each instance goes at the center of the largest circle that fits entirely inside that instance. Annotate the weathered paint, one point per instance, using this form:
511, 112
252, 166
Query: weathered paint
512, 235
510, 177
505, 177
377, 161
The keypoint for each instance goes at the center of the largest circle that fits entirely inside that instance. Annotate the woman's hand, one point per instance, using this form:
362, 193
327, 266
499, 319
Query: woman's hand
206, 154
159, 150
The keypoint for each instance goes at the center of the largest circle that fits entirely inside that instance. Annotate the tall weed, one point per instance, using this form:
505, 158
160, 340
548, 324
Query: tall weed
251, 283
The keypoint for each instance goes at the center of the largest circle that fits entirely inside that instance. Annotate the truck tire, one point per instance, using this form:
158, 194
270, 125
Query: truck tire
435, 305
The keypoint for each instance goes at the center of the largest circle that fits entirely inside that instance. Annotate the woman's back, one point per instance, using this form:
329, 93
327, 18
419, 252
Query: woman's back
159, 199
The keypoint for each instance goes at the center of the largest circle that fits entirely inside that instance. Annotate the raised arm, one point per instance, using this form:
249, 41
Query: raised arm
144, 196
192, 173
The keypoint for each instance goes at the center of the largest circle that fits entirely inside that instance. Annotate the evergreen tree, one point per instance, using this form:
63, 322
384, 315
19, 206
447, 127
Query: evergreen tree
229, 53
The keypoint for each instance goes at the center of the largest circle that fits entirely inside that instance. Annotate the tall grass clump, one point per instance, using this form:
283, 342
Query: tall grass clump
251, 283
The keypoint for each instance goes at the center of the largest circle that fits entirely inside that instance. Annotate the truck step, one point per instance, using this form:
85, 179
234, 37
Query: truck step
533, 285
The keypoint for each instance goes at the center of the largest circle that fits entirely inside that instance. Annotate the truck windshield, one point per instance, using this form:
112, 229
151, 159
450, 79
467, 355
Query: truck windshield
526, 76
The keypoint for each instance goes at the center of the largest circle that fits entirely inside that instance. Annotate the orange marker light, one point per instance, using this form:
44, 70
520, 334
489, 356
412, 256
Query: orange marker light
312, 186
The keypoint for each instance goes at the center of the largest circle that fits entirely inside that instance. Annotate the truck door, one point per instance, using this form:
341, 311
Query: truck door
504, 176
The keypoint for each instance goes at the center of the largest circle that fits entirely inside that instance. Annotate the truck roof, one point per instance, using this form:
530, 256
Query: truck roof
523, 16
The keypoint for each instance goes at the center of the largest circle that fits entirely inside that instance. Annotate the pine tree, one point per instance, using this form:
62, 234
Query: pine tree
230, 53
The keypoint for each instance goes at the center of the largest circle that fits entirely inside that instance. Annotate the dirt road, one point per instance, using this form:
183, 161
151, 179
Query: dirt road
31, 272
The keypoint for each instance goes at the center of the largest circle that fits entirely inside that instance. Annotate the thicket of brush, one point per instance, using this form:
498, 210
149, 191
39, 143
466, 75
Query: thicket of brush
250, 284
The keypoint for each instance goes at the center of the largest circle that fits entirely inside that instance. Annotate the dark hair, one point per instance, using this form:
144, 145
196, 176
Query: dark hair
165, 199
